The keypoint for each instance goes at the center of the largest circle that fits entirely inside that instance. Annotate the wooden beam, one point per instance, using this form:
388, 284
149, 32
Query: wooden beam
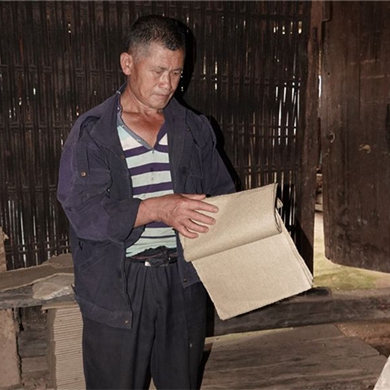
319, 306
23, 297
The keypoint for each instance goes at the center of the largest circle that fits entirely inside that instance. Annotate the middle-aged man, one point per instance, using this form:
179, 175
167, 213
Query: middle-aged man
135, 172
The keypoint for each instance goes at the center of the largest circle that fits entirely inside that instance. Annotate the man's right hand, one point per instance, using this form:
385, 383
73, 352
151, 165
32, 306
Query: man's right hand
181, 211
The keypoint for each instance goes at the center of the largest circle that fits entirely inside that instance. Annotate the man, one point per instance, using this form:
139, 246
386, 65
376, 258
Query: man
134, 173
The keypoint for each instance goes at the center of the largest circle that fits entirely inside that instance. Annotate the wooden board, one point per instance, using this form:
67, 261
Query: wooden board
315, 307
315, 357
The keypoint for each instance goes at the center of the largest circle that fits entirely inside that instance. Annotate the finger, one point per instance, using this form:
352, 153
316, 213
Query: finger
195, 227
191, 229
198, 217
194, 196
204, 206
187, 233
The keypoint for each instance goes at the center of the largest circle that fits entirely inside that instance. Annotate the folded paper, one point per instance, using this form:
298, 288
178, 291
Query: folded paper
248, 259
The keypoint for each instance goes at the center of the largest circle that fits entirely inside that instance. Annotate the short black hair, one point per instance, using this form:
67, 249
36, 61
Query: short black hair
168, 32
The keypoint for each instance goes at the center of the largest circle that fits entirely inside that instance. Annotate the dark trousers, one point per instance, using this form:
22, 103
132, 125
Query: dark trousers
166, 341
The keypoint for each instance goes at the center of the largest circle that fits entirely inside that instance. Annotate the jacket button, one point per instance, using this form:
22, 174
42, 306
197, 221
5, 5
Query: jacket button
126, 321
122, 156
185, 280
83, 174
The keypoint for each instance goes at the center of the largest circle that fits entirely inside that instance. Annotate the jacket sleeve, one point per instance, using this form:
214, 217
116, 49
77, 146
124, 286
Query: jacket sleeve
216, 178
84, 190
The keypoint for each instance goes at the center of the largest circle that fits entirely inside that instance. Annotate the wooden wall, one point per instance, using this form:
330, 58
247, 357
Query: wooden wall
250, 77
355, 122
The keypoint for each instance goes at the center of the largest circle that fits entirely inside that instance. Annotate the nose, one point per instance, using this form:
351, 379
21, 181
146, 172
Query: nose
166, 81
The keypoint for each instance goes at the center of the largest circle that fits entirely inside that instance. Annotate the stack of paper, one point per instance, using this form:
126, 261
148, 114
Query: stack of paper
247, 259
64, 326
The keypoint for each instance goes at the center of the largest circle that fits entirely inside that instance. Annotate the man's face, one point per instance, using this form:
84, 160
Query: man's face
154, 75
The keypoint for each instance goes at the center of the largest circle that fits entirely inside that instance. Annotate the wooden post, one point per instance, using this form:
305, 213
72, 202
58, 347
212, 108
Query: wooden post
9, 359
308, 140
3, 262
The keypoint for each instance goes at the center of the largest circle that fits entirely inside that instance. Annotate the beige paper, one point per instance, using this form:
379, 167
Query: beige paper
247, 260
234, 211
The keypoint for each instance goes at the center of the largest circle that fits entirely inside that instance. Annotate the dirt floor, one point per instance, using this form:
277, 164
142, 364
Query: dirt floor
374, 333
342, 278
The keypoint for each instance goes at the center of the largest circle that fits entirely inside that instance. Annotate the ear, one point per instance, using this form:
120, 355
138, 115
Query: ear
126, 61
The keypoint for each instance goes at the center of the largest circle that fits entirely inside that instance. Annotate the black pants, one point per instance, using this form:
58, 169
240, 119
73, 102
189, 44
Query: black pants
166, 341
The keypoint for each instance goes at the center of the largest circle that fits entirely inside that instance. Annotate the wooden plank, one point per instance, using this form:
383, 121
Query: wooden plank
310, 309
23, 297
315, 307
315, 357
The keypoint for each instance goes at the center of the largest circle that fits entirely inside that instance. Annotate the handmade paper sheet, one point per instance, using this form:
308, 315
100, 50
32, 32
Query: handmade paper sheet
247, 260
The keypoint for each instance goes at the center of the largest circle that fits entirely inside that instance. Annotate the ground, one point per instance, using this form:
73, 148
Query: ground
338, 277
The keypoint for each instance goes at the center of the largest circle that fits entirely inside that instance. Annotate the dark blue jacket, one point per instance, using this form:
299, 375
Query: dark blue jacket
95, 190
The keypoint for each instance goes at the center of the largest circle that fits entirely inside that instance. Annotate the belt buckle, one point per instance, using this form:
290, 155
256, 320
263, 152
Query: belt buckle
147, 264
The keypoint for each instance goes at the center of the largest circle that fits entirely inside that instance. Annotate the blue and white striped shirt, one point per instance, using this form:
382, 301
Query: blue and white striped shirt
151, 176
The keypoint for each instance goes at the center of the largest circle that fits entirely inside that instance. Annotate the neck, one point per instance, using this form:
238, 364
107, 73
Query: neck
129, 104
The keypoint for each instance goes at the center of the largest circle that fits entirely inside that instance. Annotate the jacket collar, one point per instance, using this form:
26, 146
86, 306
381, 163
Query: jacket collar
105, 131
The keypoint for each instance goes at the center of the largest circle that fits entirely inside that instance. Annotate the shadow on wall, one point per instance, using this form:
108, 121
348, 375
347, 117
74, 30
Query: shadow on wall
179, 95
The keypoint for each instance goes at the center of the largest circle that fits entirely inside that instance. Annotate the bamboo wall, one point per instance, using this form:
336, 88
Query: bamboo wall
57, 59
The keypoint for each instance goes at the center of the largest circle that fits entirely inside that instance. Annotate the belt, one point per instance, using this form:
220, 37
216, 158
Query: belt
158, 257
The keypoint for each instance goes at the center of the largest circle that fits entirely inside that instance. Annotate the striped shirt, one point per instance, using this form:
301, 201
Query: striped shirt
151, 176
